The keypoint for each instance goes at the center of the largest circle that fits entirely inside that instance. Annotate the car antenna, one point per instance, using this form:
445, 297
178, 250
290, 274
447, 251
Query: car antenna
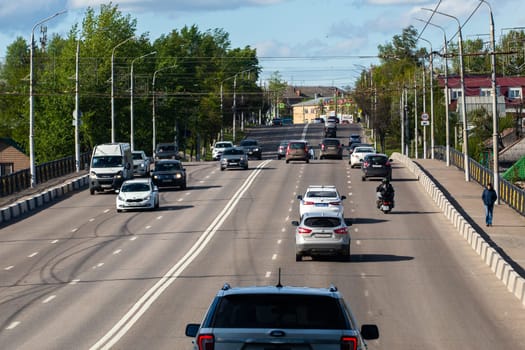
279, 285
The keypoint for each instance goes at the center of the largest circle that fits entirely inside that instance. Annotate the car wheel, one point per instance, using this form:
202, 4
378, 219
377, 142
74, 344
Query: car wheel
346, 255
222, 169
118, 210
287, 161
183, 187
363, 178
92, 191
307, 160
298, 257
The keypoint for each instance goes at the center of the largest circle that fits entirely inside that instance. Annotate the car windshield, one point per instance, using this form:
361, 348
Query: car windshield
322, 222
135, 187
279, 311
233, 151
167, 166
364, 150
166, 148
107, 161
223, 145
297, 145
321, 194
137, 156
248, 143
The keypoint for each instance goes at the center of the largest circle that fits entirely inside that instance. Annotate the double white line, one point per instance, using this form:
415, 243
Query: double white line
143, 304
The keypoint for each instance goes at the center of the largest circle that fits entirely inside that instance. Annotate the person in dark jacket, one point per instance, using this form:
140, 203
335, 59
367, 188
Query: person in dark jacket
489, 197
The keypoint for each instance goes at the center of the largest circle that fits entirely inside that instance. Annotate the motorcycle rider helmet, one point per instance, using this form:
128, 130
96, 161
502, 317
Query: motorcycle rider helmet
385, 180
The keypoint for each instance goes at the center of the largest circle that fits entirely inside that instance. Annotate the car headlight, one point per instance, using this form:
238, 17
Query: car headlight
120, 198
178, 176
92, 174
118, 175
147, 198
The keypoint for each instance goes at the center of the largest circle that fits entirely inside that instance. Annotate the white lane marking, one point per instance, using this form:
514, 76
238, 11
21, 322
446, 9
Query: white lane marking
287, 218
279, 241
48, 299
75, 229
187, 193
290, 209
107, 210
268, 274
274, 257
366, 293
148, 227
73, 282
207, 177
92, 219
116, 252
201, 181
8, 267
98, 265
179, 200
54, 241
159, 217
32, 255
358, 242
133, 238
144, 303
356, 229
12, 325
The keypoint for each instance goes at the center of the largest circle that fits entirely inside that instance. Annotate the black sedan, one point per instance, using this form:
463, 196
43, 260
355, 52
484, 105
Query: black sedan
376, 165
169, 173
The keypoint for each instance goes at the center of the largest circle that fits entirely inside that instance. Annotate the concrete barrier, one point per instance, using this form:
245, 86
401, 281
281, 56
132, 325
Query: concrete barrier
30, 204
503, 271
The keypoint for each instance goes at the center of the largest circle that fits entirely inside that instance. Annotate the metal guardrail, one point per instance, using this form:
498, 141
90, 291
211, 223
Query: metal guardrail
21, 179
508, 192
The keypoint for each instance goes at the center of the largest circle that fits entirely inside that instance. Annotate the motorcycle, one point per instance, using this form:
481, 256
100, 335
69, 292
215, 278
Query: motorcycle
385, 205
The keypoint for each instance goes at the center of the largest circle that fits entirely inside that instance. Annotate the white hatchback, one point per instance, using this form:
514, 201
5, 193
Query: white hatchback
318, 198
359, 154
219, 147
137, 194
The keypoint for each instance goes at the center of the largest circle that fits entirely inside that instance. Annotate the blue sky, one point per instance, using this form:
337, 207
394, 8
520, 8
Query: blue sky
308, 42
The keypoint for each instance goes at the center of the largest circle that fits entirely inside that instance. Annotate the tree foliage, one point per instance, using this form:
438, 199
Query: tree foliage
189, 67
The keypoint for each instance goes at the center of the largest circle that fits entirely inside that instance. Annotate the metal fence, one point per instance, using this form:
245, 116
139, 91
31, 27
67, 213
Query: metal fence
21, 180
508, 192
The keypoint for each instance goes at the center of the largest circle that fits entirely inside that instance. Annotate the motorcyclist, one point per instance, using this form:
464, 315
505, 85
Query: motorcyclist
385, 191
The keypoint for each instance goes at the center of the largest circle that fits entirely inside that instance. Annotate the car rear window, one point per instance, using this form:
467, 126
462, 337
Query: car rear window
297, 145
223, 145
290, 311
321, 194
322, 222
331, 142
363, 149
376, 160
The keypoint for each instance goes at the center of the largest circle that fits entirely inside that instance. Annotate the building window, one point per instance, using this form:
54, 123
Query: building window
514, 92
455, 94
6, 168
485, 92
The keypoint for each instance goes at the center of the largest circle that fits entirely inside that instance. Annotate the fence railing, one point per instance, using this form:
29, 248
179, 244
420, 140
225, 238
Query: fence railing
21, 180
508, 192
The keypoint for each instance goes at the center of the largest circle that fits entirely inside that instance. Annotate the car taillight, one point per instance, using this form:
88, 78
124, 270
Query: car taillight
322, 146
348, 343
341, 231
308, 203
206, 342
303, 230
387, 164
365, 164
335, 203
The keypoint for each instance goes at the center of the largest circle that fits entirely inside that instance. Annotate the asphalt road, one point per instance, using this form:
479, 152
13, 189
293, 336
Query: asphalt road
77, 275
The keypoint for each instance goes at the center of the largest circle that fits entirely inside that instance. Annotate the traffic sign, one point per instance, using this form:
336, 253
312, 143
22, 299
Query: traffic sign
425, 123
424, 116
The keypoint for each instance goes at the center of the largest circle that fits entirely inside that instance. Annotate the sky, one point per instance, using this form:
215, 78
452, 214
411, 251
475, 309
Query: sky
309, 43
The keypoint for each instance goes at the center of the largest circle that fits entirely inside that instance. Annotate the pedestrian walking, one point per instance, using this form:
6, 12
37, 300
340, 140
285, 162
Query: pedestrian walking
489, 197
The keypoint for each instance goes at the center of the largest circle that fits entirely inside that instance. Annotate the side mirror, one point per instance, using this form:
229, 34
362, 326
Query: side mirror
391, 160
192, 329
300, 197
343, 197
369, 331
295, 223
117, 191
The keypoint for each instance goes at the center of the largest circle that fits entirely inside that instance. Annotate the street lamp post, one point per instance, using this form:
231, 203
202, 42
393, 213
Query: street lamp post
131, 141
463, 99
32, 98
447, 121
431, 75
153, 104
495, 150
113, 87
77, 108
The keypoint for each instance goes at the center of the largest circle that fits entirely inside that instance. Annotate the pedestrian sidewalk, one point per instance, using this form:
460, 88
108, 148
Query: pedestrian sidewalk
502, 245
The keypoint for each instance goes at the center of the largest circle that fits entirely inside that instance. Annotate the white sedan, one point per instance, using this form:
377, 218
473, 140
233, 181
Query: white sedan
320, 198
359, 153
137, 194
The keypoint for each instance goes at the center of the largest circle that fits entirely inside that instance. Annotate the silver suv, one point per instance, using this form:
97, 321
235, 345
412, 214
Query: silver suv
280, 317
322, 234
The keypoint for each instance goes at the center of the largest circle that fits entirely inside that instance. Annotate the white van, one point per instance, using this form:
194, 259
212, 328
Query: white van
111, 164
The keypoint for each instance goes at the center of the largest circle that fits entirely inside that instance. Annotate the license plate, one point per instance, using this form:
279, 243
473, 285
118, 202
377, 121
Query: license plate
321, 204
166, 180
323, 235
376, 166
